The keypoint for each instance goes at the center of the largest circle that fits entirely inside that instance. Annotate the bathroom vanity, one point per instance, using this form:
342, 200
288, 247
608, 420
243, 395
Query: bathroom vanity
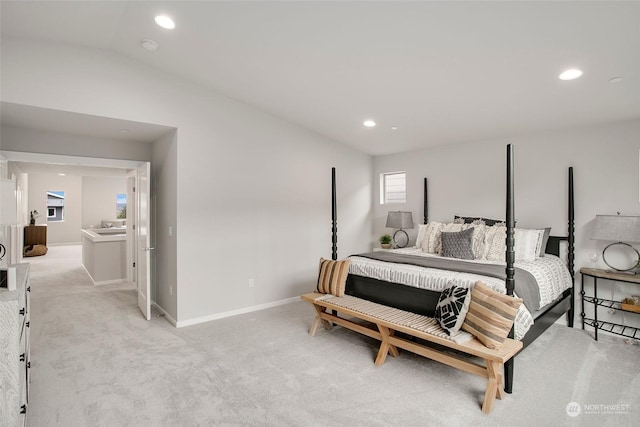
104, 254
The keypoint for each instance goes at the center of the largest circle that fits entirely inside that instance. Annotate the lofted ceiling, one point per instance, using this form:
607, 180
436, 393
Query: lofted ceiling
440, 72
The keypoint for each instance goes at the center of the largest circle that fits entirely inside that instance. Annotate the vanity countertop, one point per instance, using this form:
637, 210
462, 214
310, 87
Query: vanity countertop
97, 235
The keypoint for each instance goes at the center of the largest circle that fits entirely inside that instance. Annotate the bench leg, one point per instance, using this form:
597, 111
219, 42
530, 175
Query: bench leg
385, 347
318, 320
494, 386
393, 350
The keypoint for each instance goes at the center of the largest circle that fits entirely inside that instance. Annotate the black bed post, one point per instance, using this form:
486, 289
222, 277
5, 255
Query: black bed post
510, 257
426, 203
571, 254
334, 229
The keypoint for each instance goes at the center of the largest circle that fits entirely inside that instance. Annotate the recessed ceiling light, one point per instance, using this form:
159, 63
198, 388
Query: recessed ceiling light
165, 22
124, 130
570, 74
394, 127
62, 174
150, 45
369, 123
615, 80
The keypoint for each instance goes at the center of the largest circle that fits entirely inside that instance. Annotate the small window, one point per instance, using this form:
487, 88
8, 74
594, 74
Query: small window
393, 188
55, 206
121, 206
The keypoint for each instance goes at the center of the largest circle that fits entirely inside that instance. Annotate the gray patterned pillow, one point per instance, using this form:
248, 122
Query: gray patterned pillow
458, 244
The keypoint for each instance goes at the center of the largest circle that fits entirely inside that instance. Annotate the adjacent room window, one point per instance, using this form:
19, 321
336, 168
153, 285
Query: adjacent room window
55, 206
121, 206
393, 188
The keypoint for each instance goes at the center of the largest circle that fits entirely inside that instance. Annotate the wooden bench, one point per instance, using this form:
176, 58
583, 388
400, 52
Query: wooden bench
384, 330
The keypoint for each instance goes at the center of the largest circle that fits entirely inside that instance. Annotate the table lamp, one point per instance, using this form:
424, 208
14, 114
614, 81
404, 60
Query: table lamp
618, 229
400, 220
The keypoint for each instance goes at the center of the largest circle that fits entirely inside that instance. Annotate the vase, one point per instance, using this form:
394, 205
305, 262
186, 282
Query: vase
32, 222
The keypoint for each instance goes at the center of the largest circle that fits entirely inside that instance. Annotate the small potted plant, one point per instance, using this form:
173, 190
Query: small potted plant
385, 241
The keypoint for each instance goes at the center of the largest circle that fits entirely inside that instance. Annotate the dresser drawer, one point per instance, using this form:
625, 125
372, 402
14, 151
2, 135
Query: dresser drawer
14, 350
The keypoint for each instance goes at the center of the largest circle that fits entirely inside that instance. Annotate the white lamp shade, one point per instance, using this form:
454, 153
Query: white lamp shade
616, 228
399, 220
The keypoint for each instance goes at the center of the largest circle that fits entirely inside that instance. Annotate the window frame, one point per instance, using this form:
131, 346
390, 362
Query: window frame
61, 208
385, 177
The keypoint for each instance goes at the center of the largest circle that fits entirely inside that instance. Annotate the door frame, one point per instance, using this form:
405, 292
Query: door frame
143, 237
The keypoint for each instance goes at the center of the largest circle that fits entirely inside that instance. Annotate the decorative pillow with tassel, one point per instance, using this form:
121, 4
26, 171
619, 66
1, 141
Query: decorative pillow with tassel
332, 277
491, 315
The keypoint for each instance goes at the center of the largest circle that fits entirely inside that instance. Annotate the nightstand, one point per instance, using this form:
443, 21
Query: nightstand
35, 235
615, 328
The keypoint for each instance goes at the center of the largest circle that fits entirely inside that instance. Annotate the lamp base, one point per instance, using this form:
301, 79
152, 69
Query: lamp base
622, 270
406, 238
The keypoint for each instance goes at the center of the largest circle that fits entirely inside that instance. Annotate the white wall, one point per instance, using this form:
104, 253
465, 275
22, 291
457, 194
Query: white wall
99, 198
253, 198
38, 141
164, 217
58, 232
469, 179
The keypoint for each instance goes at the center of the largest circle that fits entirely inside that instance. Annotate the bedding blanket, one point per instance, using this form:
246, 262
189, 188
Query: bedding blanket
550, 272
525, 282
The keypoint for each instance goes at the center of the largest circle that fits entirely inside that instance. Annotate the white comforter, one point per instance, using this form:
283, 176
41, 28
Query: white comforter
550, 271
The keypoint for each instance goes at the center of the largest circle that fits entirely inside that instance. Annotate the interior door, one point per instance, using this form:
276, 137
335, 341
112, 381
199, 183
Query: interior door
143, 276
132, 237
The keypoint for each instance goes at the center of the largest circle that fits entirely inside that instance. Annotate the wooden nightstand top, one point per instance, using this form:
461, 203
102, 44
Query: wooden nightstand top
611, 275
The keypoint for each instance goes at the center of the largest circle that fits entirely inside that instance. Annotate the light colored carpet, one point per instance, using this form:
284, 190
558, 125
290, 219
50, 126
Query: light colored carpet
97, 362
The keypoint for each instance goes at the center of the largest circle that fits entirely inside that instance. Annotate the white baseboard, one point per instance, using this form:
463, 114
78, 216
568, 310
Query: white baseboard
217, 316
164, 313
108, 282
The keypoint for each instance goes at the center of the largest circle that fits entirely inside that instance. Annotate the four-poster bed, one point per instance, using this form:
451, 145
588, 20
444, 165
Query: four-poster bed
423, 301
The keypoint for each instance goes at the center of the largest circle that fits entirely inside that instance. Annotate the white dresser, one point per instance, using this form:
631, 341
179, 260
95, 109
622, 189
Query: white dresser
14, 350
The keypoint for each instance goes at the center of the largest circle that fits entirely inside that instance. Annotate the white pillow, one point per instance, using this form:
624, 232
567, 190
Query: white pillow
495, 243
477, 243
542, 242
527, 244
432, 240
526, 248
420, 236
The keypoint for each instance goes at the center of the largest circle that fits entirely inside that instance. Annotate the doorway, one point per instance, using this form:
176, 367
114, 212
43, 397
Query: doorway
84, 171
67, 137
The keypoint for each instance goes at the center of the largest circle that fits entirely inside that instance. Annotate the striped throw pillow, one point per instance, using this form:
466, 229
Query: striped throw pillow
332, 277
490, 315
